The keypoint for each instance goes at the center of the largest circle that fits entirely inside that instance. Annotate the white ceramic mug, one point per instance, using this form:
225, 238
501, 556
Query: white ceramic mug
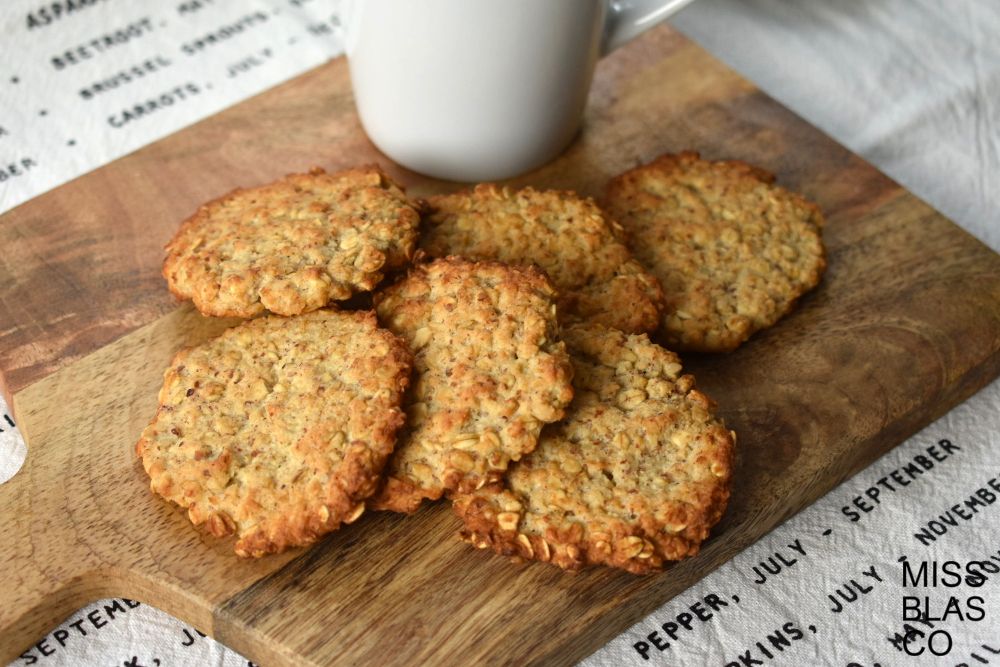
475, 90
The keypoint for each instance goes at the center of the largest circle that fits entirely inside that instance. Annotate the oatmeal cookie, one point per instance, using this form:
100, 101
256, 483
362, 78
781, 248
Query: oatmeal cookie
293, 245
634, 476
569, 237
489, 371
732, 250
278, 429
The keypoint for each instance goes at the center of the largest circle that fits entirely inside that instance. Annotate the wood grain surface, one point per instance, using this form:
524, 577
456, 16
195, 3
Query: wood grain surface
905, 325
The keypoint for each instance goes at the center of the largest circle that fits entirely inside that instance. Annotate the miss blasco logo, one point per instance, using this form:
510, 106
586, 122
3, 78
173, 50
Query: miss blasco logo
925, 615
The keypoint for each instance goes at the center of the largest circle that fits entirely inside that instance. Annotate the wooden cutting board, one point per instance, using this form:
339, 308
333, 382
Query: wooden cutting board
905, 325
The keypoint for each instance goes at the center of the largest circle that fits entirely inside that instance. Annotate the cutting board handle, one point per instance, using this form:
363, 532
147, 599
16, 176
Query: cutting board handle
78, 522
47, 570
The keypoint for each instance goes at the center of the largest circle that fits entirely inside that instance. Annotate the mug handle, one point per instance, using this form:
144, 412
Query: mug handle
630, 18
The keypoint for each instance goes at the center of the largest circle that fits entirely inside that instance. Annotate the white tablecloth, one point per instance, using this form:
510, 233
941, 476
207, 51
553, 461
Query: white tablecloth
913, 86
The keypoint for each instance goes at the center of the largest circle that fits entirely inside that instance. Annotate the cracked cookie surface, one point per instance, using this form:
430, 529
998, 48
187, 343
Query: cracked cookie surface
292, 246
489, 371
278, 430
732, 250
634, 476
568, 236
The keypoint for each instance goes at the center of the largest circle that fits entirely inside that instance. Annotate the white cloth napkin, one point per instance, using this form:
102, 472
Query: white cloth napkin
912, 85
83, 83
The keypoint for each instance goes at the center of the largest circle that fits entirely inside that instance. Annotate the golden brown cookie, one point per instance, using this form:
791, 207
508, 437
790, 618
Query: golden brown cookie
293, 245
634, 476
489, 371
566, 235
278, 429
732, 250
